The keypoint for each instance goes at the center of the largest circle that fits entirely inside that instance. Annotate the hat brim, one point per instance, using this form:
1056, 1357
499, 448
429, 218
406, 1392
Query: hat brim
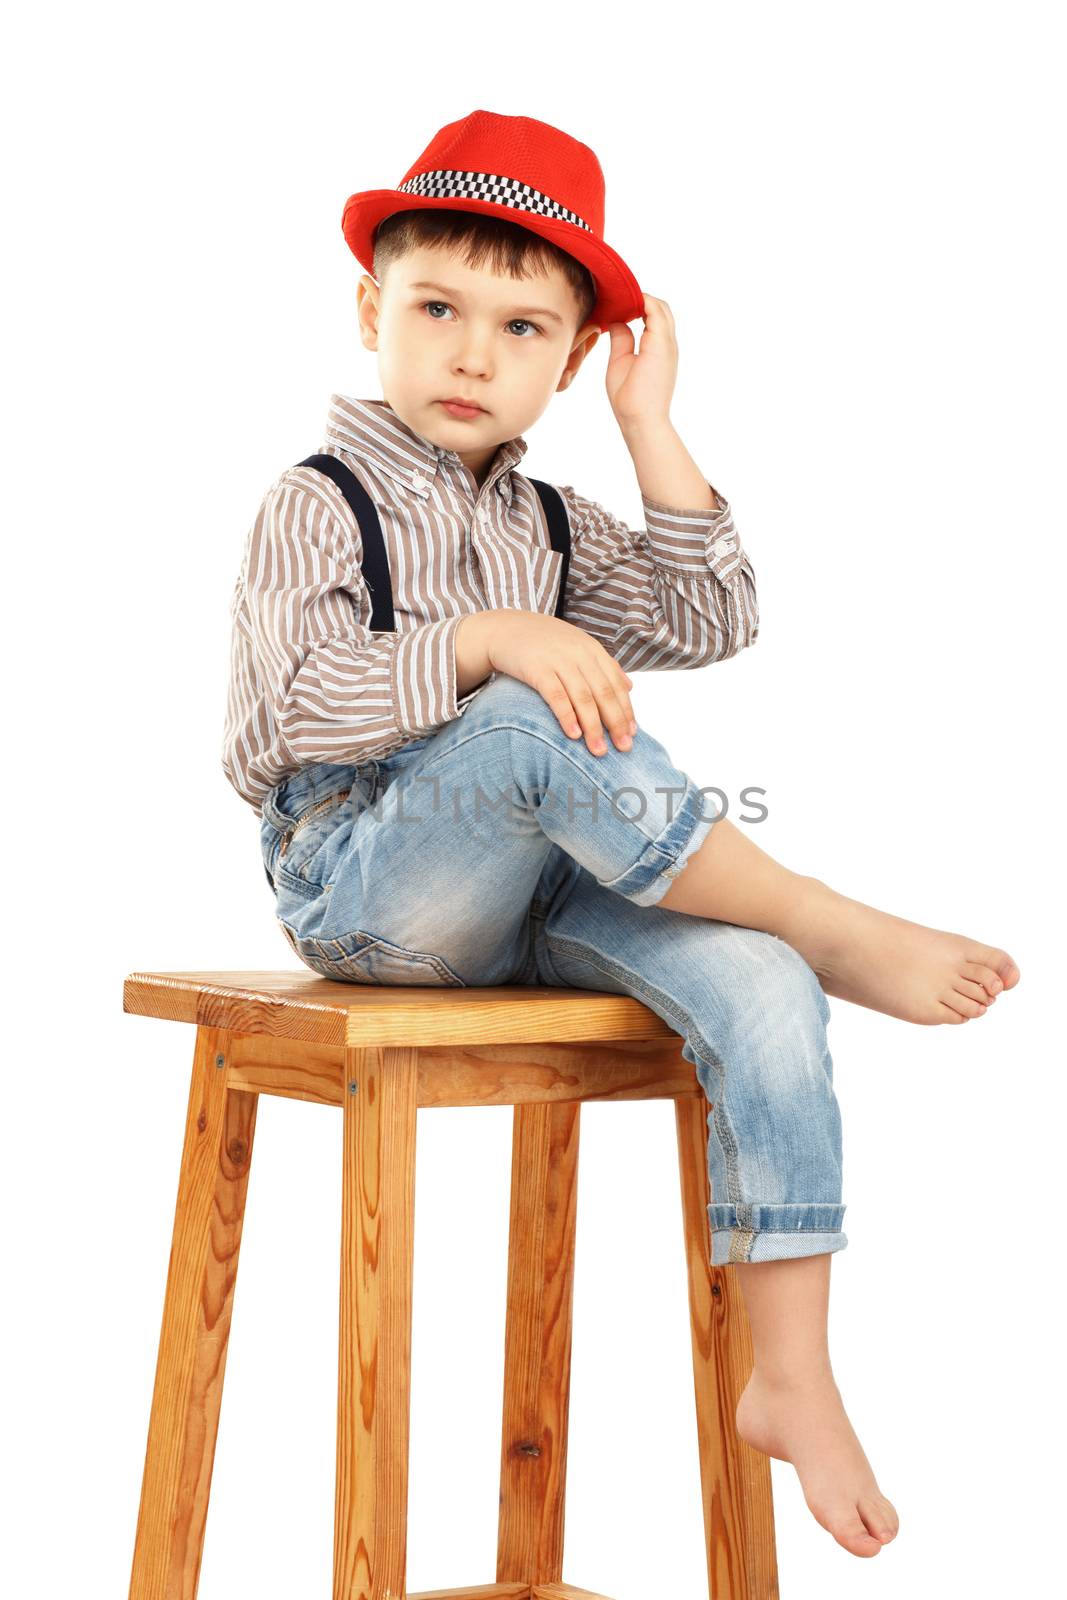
619, 296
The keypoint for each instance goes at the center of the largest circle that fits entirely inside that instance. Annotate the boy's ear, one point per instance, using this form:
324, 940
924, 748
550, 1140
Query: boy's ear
584, 340
368, 302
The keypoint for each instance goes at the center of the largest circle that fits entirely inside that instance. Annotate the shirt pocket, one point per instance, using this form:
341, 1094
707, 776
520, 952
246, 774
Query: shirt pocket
544, 576
525, 576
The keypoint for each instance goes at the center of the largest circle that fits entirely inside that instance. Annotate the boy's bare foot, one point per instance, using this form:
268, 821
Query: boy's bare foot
804, 1422
870, 957
889, 964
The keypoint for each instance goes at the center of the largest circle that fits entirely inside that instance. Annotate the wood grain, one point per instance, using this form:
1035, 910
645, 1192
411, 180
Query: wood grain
201, 1281
537, 1342
735, 1479
476, 1075
301, 1005
374, 1345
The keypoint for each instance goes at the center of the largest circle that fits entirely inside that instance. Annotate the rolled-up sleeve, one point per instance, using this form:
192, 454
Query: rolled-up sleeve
680, 592
336, 691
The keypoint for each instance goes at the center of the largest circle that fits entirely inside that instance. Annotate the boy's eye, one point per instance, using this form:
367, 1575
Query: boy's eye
428, 305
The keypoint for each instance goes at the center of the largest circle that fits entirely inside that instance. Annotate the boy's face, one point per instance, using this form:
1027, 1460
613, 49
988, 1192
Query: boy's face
507, 343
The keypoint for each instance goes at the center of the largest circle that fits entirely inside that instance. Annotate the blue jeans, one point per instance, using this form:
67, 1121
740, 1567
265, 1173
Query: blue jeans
499, 851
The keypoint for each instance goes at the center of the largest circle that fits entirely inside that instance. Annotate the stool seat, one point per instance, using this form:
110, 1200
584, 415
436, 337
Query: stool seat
381, 1054
300, 1005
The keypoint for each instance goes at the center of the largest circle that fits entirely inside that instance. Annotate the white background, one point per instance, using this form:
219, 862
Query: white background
852, 212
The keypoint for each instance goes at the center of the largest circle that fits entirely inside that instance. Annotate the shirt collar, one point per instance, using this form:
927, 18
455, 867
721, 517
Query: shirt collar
372, 428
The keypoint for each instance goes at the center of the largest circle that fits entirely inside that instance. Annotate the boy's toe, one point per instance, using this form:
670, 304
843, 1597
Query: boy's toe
855, 1537
962, 1003
848, 1528
880, 1519
988, 977
974, 991
998, 961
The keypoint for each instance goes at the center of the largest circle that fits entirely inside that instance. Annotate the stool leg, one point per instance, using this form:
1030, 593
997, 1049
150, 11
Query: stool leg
735, 1479
374, 1345
201, 1279
537, 1345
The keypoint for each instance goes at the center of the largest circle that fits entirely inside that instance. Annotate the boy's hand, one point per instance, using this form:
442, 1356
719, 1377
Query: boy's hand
640, 386
571, 671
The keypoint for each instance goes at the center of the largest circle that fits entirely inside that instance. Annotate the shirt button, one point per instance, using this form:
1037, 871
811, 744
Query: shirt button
721, 547
418, 481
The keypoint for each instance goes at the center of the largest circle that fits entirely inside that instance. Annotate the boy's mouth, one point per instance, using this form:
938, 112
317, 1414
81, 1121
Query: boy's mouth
457, 408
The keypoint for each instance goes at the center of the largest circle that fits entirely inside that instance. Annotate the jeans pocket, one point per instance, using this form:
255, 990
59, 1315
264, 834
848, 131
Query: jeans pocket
366, 958
294, 856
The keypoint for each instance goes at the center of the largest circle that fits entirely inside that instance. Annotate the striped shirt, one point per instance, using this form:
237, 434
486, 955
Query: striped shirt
308, 680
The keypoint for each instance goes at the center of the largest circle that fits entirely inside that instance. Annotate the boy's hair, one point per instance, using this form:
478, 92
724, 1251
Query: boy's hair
510, 248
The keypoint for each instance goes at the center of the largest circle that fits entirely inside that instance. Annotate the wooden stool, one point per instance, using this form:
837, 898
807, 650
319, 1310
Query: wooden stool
380, 1053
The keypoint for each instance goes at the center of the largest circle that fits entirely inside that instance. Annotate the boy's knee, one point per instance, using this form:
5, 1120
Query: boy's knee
508, 696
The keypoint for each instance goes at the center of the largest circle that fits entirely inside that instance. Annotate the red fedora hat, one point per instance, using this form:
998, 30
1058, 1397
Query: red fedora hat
524, 170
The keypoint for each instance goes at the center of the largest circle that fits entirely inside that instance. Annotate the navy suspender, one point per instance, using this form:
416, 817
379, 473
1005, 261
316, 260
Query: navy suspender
375, 564
559, 533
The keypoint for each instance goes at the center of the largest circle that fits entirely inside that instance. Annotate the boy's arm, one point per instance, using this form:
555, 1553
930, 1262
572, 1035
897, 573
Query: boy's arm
338, 692
681, 592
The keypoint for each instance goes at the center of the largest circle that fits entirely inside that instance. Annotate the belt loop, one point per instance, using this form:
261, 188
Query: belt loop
276, 818
368, 780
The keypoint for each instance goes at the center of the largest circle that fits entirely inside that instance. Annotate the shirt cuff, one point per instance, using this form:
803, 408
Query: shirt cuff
693, 539
423, 677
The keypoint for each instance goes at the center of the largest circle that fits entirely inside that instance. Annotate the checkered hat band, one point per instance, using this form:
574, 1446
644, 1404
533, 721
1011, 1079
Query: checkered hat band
451, 185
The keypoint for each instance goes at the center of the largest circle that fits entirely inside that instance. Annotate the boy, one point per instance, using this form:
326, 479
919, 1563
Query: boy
481, 685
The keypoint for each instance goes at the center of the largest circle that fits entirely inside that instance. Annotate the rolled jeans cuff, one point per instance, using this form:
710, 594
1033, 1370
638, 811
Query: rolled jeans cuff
663, 858
742, 1232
